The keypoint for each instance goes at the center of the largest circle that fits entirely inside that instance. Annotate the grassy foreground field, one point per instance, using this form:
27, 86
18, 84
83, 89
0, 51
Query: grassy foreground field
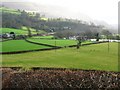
93, 57
18, 45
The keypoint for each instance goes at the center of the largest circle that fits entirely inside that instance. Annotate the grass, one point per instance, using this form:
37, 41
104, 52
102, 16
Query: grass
54, 42
43, 37
57, 42
21, 31
43, 18
32, 30
18, 45
92, 57
15, 11
9, 10
16, 31
25, 28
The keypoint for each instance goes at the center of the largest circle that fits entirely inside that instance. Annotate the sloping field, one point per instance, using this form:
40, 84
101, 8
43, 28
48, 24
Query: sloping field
16, 31
8, 10
24, 28
19, 45
54, 42
92, 57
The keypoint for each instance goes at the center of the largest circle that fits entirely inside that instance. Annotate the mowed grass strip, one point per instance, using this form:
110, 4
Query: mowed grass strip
43, 37
92, 57
19, 45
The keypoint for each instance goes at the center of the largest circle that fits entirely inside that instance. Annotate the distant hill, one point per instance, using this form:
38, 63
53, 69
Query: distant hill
56, 12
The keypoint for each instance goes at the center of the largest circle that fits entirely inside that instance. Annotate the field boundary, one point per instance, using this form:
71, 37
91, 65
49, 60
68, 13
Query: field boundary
52, 78
89, 43
18, 52
41, 44
43, 38
53, 68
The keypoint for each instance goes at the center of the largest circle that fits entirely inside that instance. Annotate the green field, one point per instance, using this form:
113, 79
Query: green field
32, 30
43, 37
53, 41
16, 31
25, 28
93, 57
18, 45
22, 31
15, 11
57, 42
8, 10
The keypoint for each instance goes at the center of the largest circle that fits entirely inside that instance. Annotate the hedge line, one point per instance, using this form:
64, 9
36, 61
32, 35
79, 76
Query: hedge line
41, 43
18, 52
88, 44
60, 79
53, 68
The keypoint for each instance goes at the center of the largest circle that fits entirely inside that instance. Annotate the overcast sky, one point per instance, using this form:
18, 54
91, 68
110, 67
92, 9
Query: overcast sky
103, 10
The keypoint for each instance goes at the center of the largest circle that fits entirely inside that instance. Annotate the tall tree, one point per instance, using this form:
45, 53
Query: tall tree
29, 32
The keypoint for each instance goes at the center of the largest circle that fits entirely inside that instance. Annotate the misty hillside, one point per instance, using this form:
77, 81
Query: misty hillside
17, 18
56, 12
49, 11
59, 23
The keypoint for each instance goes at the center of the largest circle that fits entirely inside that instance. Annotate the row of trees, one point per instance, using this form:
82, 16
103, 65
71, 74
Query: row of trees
104, 34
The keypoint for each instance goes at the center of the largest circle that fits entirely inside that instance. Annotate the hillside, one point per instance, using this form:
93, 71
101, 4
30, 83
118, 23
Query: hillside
52, 11
70, 27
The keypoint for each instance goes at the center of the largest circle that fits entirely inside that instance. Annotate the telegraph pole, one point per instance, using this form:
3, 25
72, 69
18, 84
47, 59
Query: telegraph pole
55, 42
108, 44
